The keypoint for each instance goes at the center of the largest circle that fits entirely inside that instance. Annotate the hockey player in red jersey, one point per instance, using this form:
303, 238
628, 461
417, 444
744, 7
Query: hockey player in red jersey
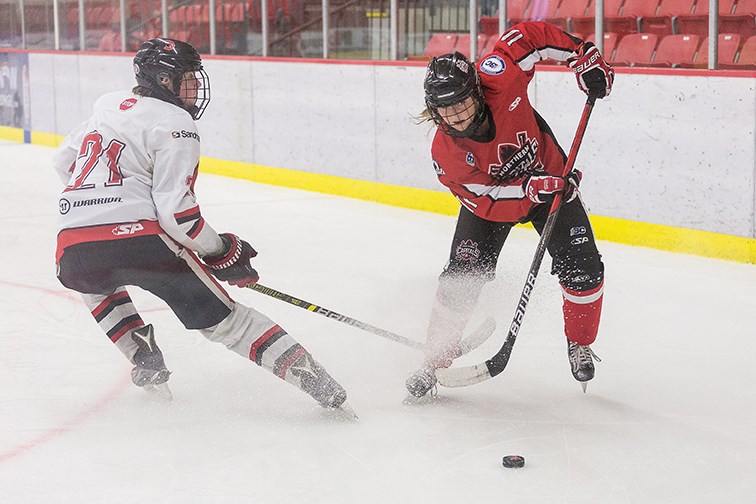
129, 216
498, 156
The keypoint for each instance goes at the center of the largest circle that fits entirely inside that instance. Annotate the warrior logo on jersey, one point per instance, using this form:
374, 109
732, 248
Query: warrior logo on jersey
493, 65
517, 160
64, 206
467, 251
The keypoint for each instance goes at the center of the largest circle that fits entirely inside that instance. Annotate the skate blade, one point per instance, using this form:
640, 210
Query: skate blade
348, 411
159, 393
584, 385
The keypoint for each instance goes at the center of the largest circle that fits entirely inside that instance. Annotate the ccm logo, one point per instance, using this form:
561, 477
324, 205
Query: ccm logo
127, 229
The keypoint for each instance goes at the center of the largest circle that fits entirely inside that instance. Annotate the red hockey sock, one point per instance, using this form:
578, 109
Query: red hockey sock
582, 314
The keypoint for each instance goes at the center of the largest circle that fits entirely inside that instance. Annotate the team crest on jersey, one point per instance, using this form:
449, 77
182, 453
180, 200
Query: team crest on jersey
470, 159
127, 104
493, 65
467, 251
517, 160
439, 171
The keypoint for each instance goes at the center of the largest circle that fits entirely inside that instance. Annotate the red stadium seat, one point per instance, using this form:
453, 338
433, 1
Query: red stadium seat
516, 12
546, 10
610, 44
463, 43
587, 23
728, 48
698, 22
742, 20
675, 50
747, 58
635, 49
487, 48
663, 22
631, 15
440, 43
571, 9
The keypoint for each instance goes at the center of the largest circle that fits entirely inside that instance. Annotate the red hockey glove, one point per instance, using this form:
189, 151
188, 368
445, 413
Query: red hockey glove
594, 75
536, 187
232, 264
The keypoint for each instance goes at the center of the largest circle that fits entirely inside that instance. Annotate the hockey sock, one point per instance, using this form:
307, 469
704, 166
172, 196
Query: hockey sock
455, 300
582, 314
116, 315
253, 335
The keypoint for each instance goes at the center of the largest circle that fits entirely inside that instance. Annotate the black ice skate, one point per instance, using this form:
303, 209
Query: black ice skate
314, 380
150, 372
581, 362
421, 382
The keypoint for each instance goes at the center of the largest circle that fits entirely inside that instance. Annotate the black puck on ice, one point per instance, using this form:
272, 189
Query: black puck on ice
513, 461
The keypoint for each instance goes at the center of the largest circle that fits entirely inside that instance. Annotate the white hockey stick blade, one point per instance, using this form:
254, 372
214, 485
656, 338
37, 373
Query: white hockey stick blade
463, 376
478, 336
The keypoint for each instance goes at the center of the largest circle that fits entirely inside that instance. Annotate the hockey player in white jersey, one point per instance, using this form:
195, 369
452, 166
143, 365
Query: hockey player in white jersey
129, 216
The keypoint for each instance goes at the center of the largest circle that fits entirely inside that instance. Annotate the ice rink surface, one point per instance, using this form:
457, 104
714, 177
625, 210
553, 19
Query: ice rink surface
669, 418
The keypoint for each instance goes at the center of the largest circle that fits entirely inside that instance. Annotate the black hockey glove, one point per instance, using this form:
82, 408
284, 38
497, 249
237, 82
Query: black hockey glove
594, 75
573, 182
232, 264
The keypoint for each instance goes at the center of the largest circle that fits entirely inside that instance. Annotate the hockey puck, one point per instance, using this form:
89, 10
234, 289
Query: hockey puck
513, 461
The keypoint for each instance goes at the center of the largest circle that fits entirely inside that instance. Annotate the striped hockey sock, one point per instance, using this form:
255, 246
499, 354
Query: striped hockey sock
582, 314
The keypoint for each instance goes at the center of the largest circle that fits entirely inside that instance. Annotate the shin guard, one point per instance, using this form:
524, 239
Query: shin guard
582, 314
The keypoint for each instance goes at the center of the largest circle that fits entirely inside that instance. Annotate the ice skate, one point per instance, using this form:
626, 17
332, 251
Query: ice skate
581, 362
150, 372
314, 380
421, 382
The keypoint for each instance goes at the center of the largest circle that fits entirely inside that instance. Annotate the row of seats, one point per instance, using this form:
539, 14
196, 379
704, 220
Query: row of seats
233, 18
679, 50
662, 17
634, 49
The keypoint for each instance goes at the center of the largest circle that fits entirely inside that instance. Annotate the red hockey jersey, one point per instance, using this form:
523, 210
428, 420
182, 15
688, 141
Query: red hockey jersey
488, 178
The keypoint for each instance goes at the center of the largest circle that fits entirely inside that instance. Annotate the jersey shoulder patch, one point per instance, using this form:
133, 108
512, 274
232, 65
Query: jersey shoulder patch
493, 65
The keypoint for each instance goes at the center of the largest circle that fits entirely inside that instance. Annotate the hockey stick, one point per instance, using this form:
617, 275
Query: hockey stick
475, 339
463, 376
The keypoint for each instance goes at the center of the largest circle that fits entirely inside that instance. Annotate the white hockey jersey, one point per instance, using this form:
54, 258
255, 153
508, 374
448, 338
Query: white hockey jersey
129, 170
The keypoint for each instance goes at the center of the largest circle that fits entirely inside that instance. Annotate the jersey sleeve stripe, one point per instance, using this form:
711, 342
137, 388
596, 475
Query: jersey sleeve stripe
187, 215
196, 229
496, 192
527, 62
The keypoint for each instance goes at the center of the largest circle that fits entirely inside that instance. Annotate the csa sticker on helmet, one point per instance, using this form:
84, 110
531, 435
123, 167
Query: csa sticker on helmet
493, 65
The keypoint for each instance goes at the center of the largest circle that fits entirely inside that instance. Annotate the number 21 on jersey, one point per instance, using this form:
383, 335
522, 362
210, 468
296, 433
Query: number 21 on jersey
90, 153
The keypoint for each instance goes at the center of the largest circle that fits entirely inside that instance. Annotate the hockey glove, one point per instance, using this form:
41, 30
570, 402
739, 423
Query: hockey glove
538, 188
594, 75
573, 182
232, 264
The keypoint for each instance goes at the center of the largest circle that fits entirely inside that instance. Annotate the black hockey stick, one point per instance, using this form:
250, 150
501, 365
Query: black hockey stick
474, 340
463, 376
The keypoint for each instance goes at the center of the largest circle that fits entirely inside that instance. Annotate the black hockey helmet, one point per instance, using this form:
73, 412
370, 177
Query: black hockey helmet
159, 58
451, 79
